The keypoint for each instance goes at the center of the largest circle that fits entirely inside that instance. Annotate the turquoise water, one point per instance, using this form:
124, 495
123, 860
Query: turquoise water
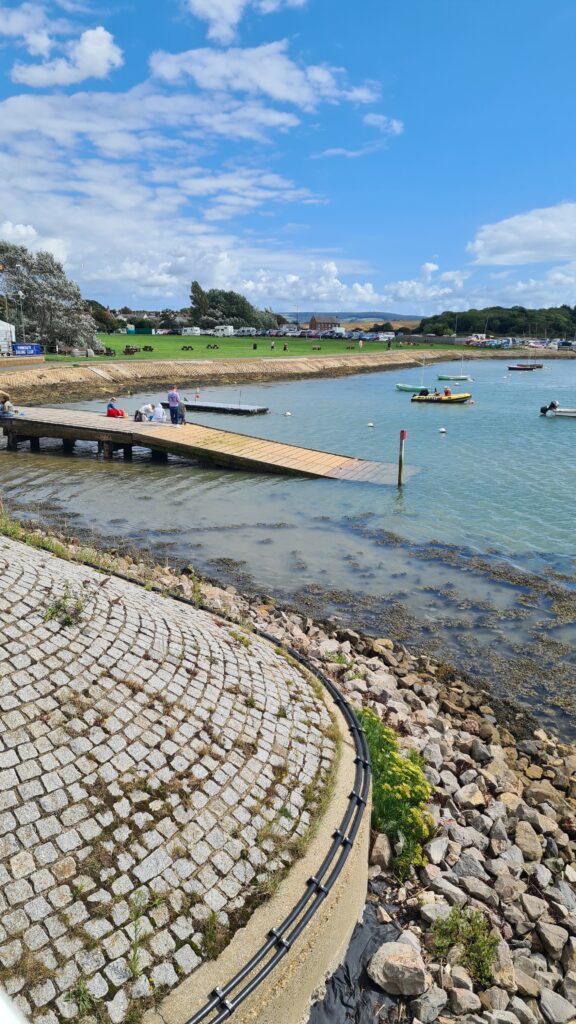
465, 560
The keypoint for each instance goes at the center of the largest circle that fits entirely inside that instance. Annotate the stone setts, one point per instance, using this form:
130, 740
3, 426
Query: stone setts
157, 763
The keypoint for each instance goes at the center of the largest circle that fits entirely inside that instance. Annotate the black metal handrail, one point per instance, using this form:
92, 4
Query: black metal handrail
224, 1001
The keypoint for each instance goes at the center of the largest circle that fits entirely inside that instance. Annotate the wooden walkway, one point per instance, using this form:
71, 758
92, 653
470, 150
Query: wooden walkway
208, 444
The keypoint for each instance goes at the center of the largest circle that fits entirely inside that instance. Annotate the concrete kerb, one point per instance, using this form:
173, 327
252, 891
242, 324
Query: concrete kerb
286, 994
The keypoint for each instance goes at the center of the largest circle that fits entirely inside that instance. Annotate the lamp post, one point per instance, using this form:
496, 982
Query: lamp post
21, 296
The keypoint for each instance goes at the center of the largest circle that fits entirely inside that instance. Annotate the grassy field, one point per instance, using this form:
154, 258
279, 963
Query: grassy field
170, 347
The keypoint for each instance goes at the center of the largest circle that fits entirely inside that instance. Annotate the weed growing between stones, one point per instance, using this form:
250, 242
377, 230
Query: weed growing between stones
400, 793
470, 931
67, 608
215, 936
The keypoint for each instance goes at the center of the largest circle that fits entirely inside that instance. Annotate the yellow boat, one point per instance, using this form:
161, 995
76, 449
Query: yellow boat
432, 399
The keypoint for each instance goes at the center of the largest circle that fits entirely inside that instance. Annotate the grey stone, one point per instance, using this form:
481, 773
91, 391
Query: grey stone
553, 939
555, 1008
399, 970
382, 853
527, 841
462, 1000
469, 866
429, 1005
522, 1011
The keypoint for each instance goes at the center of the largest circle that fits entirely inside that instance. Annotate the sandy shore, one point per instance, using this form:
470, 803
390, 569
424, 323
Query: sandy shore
60, 382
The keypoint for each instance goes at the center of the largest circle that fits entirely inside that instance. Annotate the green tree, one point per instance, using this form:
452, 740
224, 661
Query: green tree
42, 302
198, 302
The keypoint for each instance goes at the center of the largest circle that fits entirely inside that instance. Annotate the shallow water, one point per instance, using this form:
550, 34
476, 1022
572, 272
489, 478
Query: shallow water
474, 558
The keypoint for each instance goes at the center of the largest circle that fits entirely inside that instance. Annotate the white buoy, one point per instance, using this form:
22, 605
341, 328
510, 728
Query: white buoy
442, 430
287, 413
370, 424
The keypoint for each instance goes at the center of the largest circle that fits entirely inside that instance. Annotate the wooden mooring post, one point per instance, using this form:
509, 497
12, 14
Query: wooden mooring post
403, 436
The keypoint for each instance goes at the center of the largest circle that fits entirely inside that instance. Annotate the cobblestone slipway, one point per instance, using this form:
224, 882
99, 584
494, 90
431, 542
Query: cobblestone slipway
155, 764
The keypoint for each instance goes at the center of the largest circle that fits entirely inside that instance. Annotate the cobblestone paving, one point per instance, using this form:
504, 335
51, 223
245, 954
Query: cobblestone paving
156, 765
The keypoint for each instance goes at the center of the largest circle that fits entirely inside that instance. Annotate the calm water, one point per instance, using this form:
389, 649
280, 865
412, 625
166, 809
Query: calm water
473, 559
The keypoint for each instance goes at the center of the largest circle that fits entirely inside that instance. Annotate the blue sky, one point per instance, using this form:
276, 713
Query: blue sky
313, 154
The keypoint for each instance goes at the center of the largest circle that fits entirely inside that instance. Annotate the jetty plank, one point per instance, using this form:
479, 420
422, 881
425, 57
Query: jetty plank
224, 447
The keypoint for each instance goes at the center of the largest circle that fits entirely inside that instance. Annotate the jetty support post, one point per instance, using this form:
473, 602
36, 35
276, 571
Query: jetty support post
34, 444
68, 444
12, 441
127, 449
107, 449
403, 436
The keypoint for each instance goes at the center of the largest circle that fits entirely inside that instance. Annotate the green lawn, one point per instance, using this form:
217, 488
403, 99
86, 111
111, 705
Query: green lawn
170, 347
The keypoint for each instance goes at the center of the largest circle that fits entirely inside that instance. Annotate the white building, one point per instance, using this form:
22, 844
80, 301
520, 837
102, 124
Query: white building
7, 338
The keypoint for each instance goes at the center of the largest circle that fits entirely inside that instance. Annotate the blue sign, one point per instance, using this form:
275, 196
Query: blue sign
26, 350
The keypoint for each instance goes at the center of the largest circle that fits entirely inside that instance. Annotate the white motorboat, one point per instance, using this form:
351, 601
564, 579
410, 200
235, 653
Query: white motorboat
556, 410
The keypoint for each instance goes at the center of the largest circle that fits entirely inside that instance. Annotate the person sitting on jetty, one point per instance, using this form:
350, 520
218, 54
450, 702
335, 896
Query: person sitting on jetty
111, 409
173, 403
6, 407
158, 416
144, 413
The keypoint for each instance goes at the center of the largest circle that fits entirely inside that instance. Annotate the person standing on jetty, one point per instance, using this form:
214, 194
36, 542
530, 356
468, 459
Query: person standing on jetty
173, 403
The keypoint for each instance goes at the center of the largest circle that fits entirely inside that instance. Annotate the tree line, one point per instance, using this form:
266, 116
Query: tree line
515, 322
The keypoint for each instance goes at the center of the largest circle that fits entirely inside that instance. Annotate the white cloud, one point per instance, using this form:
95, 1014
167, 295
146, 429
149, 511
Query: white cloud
266, 70
94, 55
539, 236
386, 125
224, 16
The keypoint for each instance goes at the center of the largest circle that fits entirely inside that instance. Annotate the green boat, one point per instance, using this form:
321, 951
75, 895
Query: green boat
414, 388
454, 376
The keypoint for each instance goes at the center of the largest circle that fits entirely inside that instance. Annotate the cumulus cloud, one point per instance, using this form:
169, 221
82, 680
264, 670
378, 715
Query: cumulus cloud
538, 236
386, 125
29, 25
266, 70
224, 16
94, 55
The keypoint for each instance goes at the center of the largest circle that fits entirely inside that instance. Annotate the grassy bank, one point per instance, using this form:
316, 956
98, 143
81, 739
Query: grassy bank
171, 347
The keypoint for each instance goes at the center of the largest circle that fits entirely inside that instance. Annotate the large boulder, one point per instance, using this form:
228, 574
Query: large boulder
399, 969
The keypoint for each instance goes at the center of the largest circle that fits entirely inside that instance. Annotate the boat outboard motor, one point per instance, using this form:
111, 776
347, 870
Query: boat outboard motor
548, 408
423, 393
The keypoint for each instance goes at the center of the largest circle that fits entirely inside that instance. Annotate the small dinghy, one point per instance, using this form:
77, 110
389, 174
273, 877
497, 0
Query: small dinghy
526, 366
414, 388
455, 376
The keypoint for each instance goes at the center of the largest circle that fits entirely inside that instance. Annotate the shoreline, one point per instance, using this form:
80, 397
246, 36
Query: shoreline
65, 382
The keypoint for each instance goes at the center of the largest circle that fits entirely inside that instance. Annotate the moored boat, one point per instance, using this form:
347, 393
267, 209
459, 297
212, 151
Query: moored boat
526, 366
555, 410
455, 376
442, 399
414, 388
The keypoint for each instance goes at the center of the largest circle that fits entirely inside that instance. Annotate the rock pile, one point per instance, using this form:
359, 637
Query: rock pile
505, 841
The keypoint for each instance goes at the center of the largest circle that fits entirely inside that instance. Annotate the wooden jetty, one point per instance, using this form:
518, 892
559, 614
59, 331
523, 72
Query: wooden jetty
209, 444
228, 408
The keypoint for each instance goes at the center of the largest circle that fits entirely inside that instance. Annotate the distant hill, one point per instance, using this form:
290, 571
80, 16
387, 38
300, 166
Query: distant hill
374, 317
